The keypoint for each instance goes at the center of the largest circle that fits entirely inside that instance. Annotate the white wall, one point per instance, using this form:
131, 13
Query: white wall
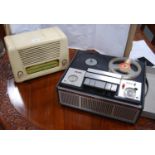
107, 39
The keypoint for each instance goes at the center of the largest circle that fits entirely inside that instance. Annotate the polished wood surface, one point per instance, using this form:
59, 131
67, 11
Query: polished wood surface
37, 101
34, 105
10, 118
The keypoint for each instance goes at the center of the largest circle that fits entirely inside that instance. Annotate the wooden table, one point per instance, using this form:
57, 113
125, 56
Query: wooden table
34, 105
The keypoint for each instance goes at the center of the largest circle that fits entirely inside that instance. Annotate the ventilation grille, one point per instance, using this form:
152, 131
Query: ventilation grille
69, 99
96, 105
125, 112
105, 108
40, 53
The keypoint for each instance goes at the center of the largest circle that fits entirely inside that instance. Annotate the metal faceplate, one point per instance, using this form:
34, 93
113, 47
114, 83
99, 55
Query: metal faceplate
130, 89
74, 77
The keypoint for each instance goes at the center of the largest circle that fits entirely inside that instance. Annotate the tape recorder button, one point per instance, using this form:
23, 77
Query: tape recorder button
108, 86
86, 81
100, 84
92, 82
113, 87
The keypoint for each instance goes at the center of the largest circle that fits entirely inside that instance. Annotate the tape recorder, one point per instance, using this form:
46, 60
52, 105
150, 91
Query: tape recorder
104, 85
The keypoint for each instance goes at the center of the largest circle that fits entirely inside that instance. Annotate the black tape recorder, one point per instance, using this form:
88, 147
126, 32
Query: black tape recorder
104, 85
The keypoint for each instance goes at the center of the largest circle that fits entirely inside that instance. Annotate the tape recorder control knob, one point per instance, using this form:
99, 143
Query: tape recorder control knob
73, 78
130, 93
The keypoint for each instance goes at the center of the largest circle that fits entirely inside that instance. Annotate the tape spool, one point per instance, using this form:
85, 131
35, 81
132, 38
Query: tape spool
129, 69
91, 62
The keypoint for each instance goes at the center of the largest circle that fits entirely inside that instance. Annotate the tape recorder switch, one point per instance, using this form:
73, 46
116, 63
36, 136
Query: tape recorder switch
104, 85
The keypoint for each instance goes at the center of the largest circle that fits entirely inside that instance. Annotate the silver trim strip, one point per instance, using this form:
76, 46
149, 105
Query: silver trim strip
103, 78
97, 71
95, 96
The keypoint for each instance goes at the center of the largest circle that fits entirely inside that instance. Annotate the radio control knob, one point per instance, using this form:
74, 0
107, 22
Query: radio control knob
20, 74
64, 62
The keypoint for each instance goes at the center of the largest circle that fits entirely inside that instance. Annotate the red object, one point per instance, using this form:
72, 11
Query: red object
124, 65
123, 85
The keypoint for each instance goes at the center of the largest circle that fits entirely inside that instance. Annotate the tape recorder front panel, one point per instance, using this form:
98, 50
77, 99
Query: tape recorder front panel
90, 84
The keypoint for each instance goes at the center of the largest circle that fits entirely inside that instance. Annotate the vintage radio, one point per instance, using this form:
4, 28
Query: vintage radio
104, 85
37, 53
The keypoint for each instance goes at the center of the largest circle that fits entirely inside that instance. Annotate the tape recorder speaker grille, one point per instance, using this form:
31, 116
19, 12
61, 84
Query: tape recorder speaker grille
69, 99
98, 106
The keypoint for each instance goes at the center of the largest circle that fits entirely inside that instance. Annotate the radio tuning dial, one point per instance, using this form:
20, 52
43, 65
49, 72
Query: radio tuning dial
64, 62
20, 74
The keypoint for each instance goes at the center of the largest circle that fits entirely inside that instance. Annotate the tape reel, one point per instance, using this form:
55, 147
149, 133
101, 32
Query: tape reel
129, 69
91, 62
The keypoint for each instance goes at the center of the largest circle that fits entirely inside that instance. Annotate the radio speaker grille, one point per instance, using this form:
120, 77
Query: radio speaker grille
98, 106
40, 53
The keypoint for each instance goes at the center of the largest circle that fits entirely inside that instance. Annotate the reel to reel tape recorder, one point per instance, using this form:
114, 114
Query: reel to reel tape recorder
104, 85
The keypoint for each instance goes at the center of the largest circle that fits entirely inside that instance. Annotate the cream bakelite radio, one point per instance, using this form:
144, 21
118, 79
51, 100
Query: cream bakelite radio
37, 53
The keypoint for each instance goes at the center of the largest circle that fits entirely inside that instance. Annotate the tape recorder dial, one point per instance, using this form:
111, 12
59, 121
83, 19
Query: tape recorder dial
104, 85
